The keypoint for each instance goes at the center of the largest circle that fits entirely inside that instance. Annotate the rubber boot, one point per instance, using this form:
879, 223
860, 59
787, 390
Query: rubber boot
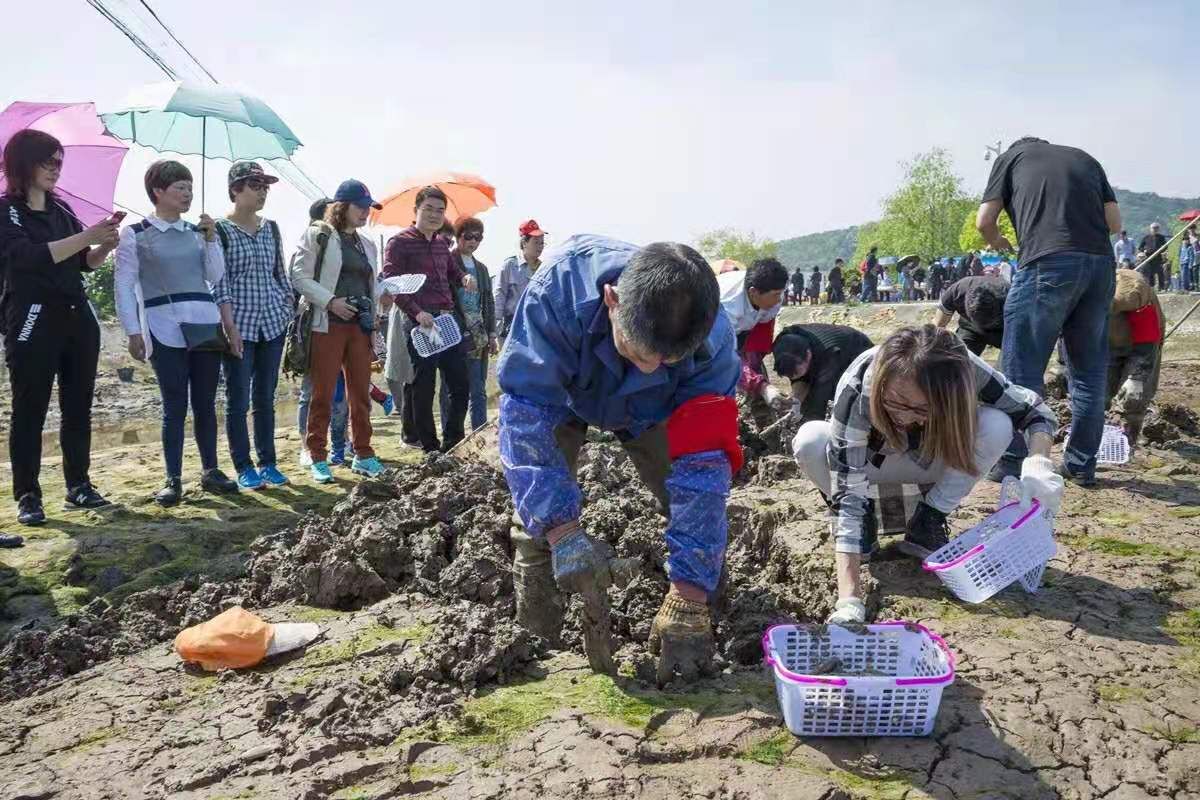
539, 601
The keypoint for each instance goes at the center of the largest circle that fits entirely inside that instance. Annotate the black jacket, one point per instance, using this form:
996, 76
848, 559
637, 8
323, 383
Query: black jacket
834, 348
29, 272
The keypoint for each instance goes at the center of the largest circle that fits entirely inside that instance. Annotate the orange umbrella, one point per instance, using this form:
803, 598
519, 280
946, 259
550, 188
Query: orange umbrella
466, 195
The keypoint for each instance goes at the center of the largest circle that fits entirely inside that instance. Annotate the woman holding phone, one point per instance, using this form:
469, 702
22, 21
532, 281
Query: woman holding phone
50, 330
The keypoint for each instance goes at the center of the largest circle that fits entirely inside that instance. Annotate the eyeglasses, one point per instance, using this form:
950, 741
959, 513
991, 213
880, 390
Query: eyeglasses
258, 186
53, 164
472, 237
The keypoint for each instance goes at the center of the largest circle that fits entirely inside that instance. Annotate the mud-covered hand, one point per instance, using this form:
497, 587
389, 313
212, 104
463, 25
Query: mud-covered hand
580, 563
1040, 482
848, 611
682, 638
775, 399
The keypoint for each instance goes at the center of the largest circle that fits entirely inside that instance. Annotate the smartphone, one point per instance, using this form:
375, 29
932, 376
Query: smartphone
117, 217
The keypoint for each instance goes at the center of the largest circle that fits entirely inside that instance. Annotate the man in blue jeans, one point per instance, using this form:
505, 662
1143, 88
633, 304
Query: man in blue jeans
1064, 210
255, 299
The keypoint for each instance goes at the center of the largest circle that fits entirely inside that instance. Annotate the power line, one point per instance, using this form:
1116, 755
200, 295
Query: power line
176, 39
138, 42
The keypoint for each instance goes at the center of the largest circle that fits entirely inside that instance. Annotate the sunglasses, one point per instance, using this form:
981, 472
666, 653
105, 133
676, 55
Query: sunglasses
52, 164
257, 185
472, 237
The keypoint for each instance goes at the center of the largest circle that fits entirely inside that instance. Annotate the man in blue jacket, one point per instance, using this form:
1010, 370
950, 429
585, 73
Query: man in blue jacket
629, 340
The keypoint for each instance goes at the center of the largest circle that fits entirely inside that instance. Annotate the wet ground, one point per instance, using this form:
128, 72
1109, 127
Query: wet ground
423, 685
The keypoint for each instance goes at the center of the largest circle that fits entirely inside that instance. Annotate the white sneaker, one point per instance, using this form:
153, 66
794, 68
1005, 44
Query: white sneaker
305, 457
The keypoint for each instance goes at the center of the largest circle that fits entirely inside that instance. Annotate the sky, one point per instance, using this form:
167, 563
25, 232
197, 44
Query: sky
654, 120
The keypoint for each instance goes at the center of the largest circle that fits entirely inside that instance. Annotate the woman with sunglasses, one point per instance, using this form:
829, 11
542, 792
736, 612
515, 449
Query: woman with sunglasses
477, 313
883, 436
50, 330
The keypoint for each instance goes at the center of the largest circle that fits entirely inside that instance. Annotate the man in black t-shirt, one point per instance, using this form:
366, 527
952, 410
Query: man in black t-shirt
1152, 268
1063, 209
979, 302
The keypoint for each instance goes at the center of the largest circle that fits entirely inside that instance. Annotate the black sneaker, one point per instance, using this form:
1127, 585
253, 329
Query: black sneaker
928, 532
84, 498
29, 510
11, 540
217, 482
170, 494
1079, 479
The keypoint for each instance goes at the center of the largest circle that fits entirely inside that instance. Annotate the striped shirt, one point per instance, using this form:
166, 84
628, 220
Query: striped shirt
254, 281
854, 442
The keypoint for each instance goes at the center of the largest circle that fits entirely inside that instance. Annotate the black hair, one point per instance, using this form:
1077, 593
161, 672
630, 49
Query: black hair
766, 275
468, 225
985, 309
24, 153
428, 192
1027, 140
668, 299
839, 261
316, 211
789, 351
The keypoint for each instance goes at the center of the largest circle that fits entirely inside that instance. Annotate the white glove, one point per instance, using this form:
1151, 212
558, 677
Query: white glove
848, 610
435, 337
774, 398
1040, 482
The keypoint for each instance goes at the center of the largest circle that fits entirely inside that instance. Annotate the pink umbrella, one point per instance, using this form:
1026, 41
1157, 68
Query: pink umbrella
91, 158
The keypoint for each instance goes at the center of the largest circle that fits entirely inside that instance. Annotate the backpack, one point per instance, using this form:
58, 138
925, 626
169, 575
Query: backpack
297, 344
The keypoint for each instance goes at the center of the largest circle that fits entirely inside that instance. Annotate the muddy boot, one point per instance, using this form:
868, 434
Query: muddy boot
539, 602
681, 636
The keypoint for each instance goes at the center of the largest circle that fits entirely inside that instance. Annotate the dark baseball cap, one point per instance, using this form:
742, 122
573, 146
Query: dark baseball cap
317, 210
356, 193
245, 170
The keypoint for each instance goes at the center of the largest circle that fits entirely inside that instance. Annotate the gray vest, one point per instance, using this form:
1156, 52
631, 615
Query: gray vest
170, 265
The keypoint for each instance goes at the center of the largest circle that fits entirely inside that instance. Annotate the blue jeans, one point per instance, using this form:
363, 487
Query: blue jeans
1068, 295
338, 415
179, 374
477, 369
1186, 278
253, 377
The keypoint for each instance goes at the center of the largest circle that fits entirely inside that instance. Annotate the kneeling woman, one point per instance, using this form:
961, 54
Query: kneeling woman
917, 410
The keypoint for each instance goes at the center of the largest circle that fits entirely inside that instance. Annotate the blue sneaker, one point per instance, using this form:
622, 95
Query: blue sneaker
249, 479
320, 472
371, 467
337, 456
388, 404
272, 476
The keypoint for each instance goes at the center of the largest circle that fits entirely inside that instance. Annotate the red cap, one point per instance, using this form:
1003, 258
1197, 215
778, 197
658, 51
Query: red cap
530, 228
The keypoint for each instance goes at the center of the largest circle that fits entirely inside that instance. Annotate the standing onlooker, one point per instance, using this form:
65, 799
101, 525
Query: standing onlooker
1189, 260
1152, 267
1124, 249
1063, 209
837, 282
255, 300
870, 277
48, 326
814, 286
165, 272
918, 282
421, 250
796, 284
516, 272
334, 270
937, 279
906, 283
886, 287
477, 310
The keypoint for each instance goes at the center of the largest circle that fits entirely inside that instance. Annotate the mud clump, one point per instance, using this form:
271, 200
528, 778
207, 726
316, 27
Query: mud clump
1182, 417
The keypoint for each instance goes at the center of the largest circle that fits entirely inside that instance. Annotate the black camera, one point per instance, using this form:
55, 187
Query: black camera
365, 313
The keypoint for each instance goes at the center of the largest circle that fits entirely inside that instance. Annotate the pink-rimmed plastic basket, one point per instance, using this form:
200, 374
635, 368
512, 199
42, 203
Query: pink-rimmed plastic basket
910, 667
1010, 546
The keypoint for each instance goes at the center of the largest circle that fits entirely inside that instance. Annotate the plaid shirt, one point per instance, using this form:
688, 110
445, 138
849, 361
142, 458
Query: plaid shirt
254, 282
854, 442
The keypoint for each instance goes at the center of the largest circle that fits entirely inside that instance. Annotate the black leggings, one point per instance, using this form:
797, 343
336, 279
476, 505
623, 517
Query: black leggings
179, 372
44, 341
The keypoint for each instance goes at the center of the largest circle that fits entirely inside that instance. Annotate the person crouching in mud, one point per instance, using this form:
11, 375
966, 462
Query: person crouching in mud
883, 434
631, 341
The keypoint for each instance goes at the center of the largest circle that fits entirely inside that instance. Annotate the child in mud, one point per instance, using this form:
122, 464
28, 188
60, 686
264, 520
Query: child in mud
883, 435
1136, 326
631, 341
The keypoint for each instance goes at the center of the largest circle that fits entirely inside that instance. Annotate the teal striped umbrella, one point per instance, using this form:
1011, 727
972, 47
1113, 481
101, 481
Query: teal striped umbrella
208, 121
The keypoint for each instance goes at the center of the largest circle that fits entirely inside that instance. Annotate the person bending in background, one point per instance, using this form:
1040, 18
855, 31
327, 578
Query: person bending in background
920, 410
813, 357
50, 330
979, 303
164, 275
752, 301
632, 341
1136, 328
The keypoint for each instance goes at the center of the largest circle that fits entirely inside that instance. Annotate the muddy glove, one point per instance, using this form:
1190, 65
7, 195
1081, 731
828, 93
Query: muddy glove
580, 563
848, 611
775, 398
1040, 482
681, 636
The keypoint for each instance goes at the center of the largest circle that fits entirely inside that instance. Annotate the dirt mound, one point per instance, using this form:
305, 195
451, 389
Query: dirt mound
1181, 417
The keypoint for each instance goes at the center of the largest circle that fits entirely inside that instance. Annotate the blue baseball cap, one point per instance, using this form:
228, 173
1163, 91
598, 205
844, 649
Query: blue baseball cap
355, 192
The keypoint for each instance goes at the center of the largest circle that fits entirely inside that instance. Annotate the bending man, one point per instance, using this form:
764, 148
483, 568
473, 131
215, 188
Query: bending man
752, 300
631, 341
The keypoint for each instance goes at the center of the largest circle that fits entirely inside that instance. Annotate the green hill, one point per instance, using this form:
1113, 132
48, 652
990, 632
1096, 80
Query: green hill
1138, 210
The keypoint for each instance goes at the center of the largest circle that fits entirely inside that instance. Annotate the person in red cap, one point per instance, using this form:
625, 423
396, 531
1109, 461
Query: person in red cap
516, 272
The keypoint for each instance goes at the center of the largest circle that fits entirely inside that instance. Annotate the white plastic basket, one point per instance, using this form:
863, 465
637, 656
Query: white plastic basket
1114, 446
913, 665
447, 330
1009, 546
408, 283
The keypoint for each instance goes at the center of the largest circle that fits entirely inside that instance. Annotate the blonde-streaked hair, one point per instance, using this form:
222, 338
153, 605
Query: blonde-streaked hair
938, 363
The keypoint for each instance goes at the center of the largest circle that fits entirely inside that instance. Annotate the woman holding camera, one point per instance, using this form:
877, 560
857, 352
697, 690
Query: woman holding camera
341, 292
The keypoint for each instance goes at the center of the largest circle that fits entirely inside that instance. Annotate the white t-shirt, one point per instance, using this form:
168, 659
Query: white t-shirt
737, 306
